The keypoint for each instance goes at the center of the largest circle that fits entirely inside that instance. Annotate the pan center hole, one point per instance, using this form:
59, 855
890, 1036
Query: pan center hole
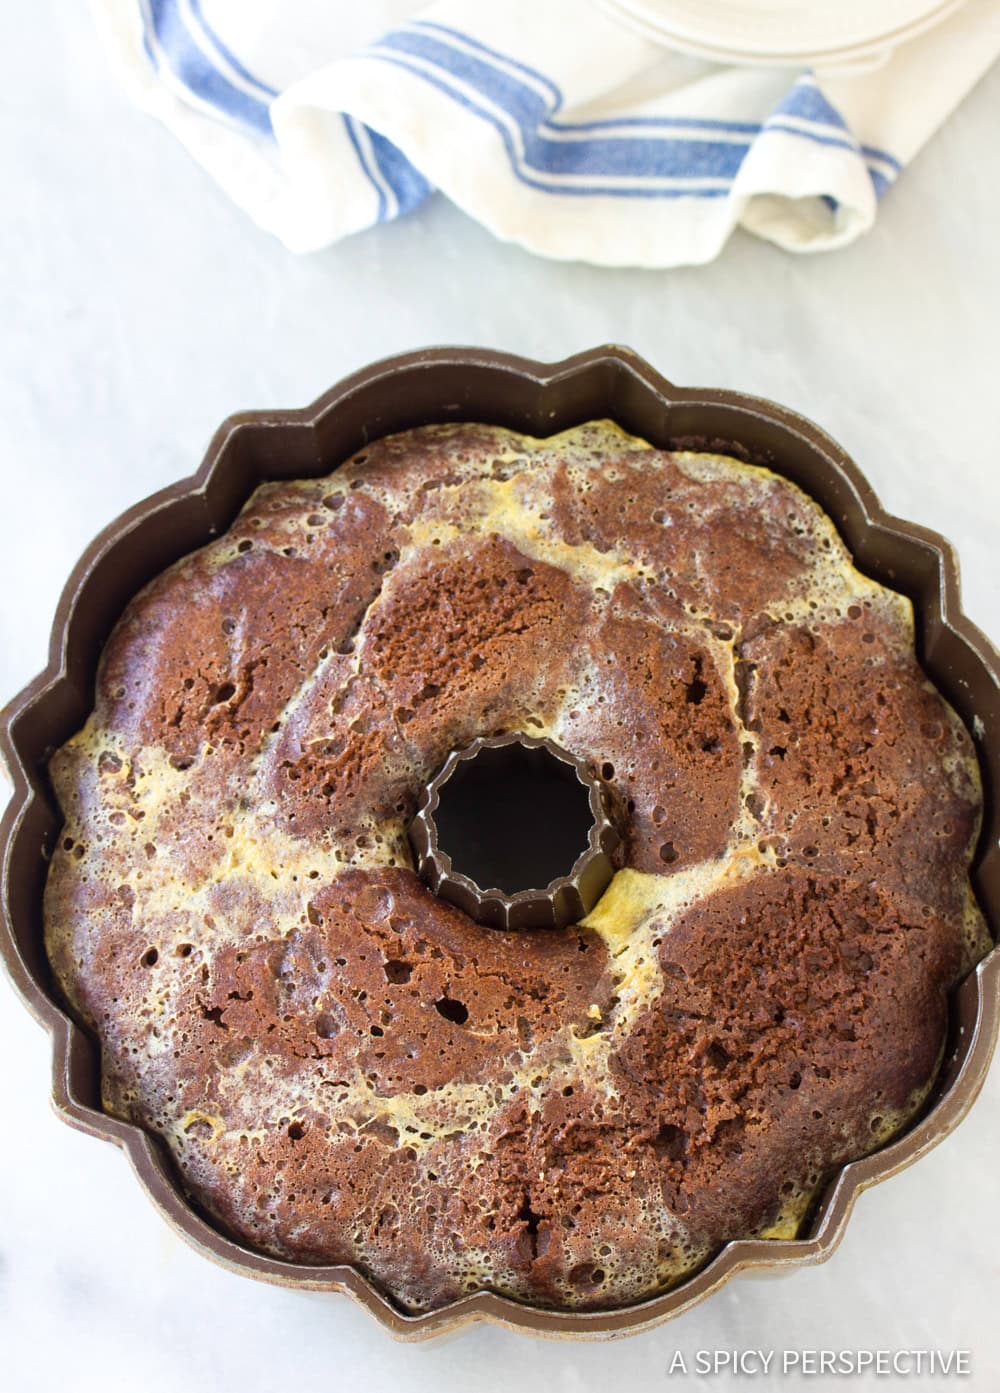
513, 818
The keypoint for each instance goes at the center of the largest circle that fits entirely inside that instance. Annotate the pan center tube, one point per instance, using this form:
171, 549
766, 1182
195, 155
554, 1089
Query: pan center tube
514, 831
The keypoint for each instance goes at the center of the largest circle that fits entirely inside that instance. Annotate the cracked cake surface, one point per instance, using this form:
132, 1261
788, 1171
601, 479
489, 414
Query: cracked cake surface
345, 1068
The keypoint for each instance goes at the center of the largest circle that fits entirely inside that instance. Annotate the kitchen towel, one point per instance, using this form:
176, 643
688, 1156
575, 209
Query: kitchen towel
549, 121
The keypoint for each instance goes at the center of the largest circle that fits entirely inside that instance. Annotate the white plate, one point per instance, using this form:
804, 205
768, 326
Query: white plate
783, 31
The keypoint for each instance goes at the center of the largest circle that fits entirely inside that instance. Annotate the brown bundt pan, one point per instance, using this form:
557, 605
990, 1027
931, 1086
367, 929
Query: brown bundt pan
439, 385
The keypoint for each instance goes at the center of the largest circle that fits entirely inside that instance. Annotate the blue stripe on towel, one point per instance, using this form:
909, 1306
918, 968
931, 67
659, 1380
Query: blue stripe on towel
407, 183
542, 78
350, 126
640, 122
629, 156
649, 157
169, 39
839, 142
804, 99
544, 158
533, 180
214, 38
641, 153
874, 153
881, 181
806, 102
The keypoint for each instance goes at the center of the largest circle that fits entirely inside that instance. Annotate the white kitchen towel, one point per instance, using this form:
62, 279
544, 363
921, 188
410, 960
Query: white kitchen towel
550, 121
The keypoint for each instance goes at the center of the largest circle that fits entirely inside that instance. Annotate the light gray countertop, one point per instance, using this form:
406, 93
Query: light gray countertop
137, 309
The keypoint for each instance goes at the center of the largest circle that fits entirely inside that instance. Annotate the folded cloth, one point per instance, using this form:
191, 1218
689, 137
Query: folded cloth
554, 124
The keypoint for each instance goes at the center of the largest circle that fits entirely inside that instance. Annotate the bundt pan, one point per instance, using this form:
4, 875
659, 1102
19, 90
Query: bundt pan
440, 385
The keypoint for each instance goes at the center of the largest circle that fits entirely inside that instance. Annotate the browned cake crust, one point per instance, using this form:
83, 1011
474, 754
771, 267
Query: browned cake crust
345, 1068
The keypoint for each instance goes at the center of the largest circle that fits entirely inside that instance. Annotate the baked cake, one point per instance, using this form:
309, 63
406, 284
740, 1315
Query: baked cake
346, 1069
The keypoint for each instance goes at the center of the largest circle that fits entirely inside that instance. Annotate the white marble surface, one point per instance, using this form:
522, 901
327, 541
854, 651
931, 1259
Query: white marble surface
137, 308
